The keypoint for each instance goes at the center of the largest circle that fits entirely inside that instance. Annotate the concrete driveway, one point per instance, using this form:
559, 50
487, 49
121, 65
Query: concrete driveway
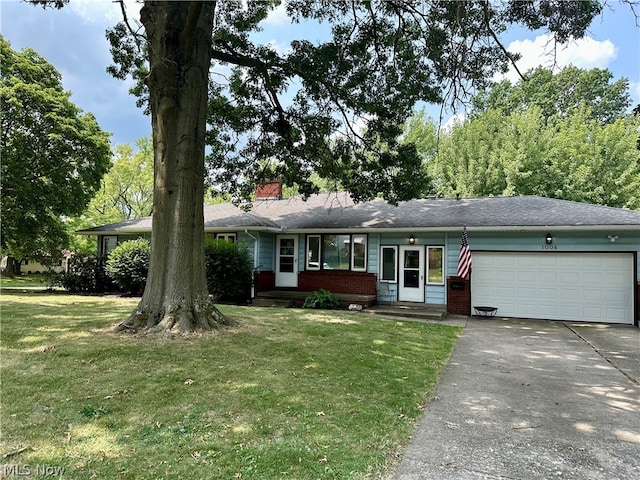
529, 399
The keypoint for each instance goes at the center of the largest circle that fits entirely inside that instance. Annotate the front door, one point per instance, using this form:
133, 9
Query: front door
411, 282
287, 261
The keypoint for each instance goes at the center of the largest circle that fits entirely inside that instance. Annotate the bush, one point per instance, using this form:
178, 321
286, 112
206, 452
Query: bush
321, 299
229, 271
85, 274
128, 265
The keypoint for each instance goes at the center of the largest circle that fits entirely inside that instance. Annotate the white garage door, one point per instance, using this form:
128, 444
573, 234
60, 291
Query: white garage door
589, 287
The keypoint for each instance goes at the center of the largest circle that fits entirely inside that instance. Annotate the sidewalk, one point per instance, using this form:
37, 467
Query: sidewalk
533, 400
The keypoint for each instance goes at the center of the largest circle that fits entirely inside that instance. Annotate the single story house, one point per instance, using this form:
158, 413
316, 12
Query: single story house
533, 257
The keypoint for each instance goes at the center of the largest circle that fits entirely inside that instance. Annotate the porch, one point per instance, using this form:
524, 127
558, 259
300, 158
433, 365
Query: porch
290, 298
409, 310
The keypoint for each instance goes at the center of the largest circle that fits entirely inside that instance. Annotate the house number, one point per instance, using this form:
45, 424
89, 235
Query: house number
549, 247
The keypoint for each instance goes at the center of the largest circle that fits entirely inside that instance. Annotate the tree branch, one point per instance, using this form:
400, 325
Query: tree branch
134, 34
485, 8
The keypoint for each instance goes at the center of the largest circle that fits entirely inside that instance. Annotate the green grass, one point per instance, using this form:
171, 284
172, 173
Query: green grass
288, 394
32, 280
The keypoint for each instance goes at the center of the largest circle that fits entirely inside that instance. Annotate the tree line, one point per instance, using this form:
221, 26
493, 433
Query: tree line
567, 135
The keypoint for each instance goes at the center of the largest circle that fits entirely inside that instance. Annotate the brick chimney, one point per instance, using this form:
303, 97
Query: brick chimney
271, 189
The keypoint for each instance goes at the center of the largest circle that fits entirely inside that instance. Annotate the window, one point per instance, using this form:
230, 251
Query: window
435, 270
359, 249
109, 242
313, 252
337, 252
388, 264
229, 237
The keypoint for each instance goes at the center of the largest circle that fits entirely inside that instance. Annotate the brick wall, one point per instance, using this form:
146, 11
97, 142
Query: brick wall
355, 283
265, 281
458, 299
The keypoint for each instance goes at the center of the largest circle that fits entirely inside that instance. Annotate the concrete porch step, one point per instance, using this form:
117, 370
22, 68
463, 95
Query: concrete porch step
272, 302
296, 299
410, 310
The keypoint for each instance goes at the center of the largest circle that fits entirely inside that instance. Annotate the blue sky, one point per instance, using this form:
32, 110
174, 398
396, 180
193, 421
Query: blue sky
73, 40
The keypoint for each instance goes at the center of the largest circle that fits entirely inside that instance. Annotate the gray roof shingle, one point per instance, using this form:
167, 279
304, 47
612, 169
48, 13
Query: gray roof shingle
338, 211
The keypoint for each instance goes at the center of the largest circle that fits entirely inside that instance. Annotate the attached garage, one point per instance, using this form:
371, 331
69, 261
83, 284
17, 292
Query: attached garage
576, 286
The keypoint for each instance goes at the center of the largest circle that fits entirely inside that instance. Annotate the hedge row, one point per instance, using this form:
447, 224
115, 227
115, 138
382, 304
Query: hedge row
228, 266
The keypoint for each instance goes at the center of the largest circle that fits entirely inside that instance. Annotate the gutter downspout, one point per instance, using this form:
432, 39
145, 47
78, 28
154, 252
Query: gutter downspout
445, 270
256, 251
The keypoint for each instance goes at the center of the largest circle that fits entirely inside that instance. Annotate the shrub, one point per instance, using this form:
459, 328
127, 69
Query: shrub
85, 274
229, 271
321, 299
128, 265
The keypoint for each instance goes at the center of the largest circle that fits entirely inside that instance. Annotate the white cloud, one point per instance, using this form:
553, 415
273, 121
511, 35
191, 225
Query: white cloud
278, 16
455, 119
584, 53
281, 47
104, 11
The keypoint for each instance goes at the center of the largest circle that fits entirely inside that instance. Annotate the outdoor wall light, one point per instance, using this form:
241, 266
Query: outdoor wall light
548, 239
612, 238
412, 240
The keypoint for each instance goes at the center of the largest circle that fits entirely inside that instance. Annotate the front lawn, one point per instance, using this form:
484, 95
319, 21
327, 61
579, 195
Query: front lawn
31, 280
288, 394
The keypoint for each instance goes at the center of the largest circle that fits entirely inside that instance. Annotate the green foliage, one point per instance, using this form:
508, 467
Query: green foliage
53, 155
127, 190
528, 139
573, 158
305, 105
85, 274
560, 94
90, 411
126, 193
229, 271
128, 264
322, 299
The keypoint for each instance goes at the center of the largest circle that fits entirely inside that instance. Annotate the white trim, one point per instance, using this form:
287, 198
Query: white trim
365, 242
442, 261
408, 293
395, 263
307, 265
287, 279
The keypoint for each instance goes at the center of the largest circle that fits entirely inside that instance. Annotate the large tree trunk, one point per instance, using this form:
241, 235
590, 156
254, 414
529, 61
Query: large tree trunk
179, 42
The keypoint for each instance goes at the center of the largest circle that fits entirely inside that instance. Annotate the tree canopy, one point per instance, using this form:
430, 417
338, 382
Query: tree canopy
302, 109
53, 155
126, 192
524, 140
127, 189
560, 94
524, 153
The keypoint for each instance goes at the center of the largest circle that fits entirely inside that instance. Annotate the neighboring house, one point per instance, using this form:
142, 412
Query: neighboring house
30, 266
533, 257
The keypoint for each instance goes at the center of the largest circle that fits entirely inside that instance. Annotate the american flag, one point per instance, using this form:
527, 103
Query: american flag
464, 259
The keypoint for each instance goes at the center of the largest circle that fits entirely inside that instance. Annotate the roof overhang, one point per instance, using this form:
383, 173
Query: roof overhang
498, 228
